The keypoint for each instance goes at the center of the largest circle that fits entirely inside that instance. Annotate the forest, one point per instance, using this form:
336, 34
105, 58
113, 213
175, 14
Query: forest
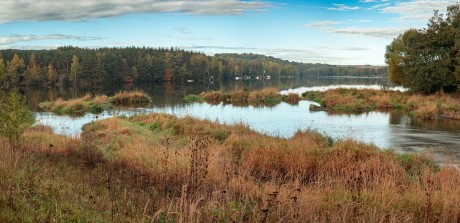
87, 67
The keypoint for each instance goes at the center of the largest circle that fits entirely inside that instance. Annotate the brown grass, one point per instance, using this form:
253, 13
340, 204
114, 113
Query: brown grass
267, 97
95, 104
161, 168
436, 106
130, 98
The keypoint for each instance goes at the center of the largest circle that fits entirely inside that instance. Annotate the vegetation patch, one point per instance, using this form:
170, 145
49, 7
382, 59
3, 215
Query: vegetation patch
264, 97
160, 168
96, 104
437, 106
129, 98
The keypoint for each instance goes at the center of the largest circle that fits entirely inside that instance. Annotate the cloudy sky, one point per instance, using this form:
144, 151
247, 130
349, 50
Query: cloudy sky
334, 32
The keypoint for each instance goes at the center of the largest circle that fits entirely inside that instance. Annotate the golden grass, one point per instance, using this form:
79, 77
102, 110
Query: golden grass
440, 105
130, 98
96, 104
161, 168
264, 97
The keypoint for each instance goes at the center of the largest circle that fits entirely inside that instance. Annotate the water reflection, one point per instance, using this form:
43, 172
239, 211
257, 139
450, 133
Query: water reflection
385, 129
168, 94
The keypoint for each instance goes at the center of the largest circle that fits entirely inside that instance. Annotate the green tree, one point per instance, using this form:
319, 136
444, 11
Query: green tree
75, 70
15, 118
2, 73
427, 60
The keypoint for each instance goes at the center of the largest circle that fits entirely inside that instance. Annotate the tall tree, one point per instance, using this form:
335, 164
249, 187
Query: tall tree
15, 68
52, 75
75, 70
33, 71
426, 60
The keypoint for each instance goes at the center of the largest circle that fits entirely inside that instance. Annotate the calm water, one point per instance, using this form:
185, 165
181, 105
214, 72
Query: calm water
440, 138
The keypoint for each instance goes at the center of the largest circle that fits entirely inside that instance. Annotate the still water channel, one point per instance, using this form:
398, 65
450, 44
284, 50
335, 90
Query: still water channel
439, 138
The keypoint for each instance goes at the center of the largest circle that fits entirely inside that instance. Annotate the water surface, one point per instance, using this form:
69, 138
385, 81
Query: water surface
440, 138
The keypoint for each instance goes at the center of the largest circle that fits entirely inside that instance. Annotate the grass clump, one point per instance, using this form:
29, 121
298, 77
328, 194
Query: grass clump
193, 98
264, 97
439, 106
128, 98
96, 104
157, 167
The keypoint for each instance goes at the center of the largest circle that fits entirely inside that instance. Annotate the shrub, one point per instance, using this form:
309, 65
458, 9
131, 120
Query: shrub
15, 117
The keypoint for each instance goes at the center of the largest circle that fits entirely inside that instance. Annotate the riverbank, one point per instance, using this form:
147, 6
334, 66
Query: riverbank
161, 168
96, 104
438, 106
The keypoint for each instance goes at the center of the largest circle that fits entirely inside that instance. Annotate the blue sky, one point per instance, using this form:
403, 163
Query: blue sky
334, 32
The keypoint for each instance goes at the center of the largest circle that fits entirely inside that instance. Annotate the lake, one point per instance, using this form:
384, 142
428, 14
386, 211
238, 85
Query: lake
439, 138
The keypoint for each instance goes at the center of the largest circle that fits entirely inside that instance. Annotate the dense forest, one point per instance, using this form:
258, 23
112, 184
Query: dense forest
92, 67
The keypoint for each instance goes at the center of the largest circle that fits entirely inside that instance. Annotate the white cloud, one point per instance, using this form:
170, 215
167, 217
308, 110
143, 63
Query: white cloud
183, 30
389, 32
378, 6
330, 26
417, 10
342, 7
328, 23
74, 10
6, 40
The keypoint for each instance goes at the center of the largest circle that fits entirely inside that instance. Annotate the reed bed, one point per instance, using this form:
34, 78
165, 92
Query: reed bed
160, 168
96, 104
438, 106
264, 97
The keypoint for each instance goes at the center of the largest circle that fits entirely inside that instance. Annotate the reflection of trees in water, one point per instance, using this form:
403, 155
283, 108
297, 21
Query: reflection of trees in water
172, 94
437, 125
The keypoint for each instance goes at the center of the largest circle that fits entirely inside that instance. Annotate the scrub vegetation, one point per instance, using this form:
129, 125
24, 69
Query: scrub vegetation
96, 104
264, 97
160, 168
436, 106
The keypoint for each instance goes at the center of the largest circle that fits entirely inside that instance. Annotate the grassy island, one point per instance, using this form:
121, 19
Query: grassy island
96, 104
266, 97
446, 106
159, 168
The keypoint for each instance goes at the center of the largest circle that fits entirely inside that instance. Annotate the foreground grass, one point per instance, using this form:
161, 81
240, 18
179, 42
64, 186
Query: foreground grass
96, 104
264, 97
421, 106
161, 168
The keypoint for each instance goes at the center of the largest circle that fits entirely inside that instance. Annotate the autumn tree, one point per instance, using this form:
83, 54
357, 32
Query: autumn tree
14, 68
33, 71
52, 75
75, 70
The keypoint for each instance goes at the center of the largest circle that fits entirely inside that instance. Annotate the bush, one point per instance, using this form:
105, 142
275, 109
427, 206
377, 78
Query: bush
15, 117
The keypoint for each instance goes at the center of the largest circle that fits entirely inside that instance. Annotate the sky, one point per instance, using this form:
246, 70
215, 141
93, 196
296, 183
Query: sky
352, 32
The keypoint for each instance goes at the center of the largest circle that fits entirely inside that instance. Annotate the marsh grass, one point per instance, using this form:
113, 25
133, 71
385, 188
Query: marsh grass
128, 98
264, 97
438, 106
96, 104
189, 170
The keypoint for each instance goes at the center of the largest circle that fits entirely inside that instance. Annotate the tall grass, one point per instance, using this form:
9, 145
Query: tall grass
422, 106
96, 104
264, 97
130, 98
161, 168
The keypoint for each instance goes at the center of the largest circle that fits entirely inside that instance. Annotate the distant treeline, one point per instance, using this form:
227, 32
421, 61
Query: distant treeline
91, 67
